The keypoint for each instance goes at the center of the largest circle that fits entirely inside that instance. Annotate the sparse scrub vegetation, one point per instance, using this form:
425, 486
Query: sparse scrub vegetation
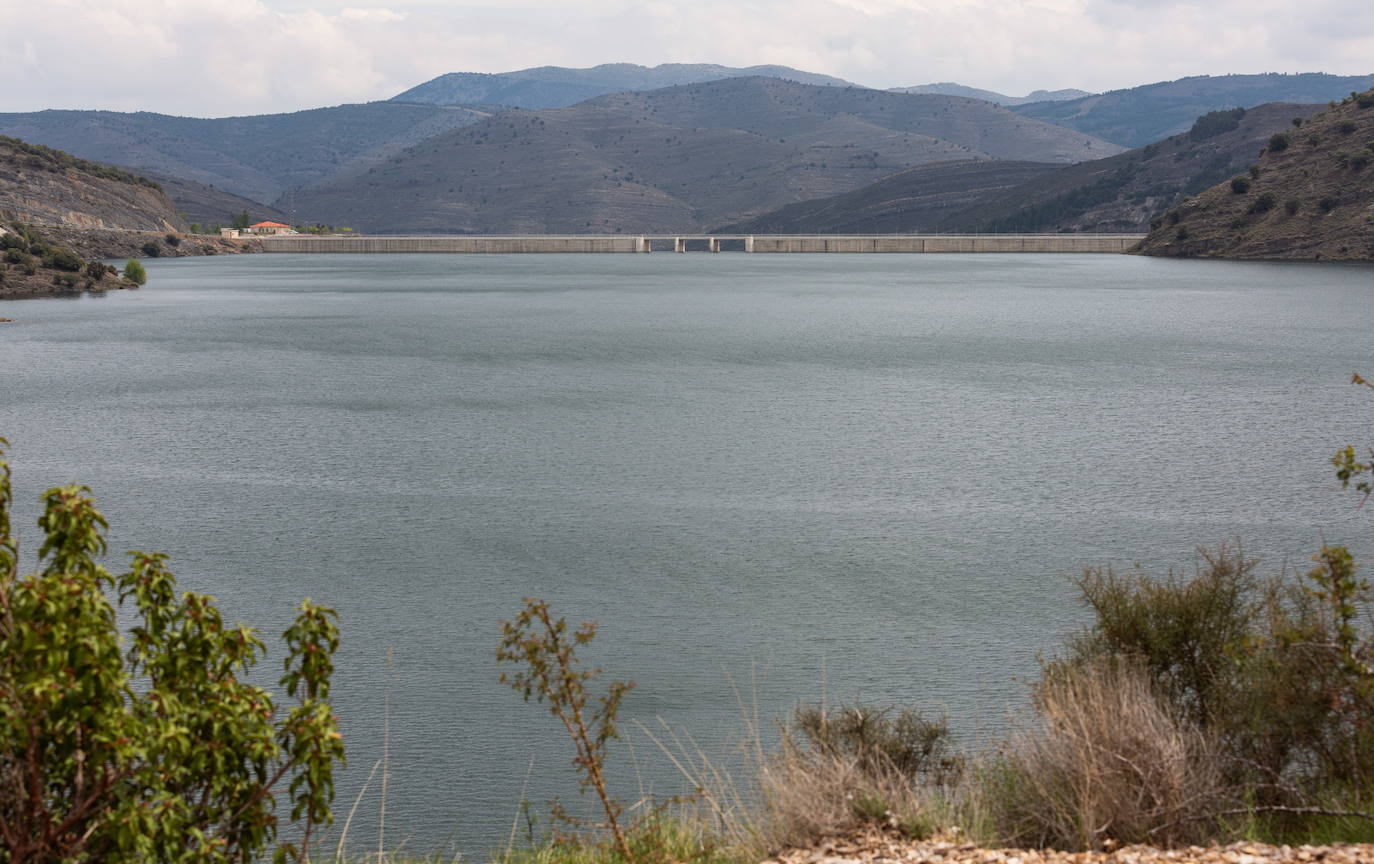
1240, 185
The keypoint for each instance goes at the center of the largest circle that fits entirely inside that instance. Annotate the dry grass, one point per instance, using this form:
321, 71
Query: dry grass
1106, 762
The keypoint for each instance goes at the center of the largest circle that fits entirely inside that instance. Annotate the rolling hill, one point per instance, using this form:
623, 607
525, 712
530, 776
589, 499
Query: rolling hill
1310, 195
680, 158
257, 157
916, 200
559, 87
949, 88
1117, 194
1134, 117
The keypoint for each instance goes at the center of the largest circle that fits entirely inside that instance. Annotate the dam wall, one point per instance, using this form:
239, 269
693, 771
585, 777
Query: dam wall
763, 243
950, 243
533, 243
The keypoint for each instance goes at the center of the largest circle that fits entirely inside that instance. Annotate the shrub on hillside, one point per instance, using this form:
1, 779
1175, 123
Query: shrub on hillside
151, 249
1263, 203
1291, 206
157, 750
63, 259
1240, 185
1278, 142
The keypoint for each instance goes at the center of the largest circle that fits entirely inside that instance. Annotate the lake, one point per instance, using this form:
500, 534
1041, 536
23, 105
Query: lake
768, 478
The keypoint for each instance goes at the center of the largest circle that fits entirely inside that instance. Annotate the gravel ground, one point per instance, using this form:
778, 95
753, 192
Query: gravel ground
877, 848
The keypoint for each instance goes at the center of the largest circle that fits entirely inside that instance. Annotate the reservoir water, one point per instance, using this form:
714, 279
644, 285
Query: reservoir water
844, 477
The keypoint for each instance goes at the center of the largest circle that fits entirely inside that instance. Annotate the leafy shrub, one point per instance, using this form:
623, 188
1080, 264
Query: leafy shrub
1327, 204
134, 272
64, 280
1240, 185
1263, 203
1359, 161
162, 753
172, 240
1297, 122
1365, 100
1255, 172
1278, 142
1291, 206
1182, 233
97, 271
151, 249
1346, 127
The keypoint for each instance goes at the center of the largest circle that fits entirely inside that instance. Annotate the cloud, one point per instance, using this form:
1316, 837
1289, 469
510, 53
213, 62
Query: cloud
255, 56
376, 15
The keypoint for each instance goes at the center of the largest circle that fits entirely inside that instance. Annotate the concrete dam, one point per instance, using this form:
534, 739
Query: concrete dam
754, 243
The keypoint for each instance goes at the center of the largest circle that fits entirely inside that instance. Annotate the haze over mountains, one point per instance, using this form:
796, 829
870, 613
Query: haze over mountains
680, 158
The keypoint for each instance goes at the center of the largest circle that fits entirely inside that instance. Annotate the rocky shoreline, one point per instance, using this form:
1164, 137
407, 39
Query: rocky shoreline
881, 848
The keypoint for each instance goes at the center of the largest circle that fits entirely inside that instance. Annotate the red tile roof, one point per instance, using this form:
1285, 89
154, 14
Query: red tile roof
269, 225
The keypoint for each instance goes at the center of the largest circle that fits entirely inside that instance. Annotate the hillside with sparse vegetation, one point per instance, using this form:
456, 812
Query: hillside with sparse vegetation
1309, 196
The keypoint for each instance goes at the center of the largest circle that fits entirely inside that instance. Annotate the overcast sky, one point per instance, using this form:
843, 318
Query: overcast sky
220, 57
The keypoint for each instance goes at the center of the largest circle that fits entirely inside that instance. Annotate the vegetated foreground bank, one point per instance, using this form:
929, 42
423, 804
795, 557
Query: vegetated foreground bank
1309, 196
32, 264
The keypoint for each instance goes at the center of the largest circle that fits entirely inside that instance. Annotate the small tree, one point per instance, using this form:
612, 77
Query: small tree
162, 753
241, 221
134, 272
551, 673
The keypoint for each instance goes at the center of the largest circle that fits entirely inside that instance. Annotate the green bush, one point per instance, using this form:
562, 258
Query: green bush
154, 750
1346, 127
1327, 204
134, 272
151, 249
1240, 185
1272, 669
1291, 206
1278, 142
172, 240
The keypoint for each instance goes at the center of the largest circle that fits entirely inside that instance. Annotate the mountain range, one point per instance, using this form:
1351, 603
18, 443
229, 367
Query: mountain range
259, 157
1116, 194
949, 88
559, 86
1136, 116
778, 148
676, 159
